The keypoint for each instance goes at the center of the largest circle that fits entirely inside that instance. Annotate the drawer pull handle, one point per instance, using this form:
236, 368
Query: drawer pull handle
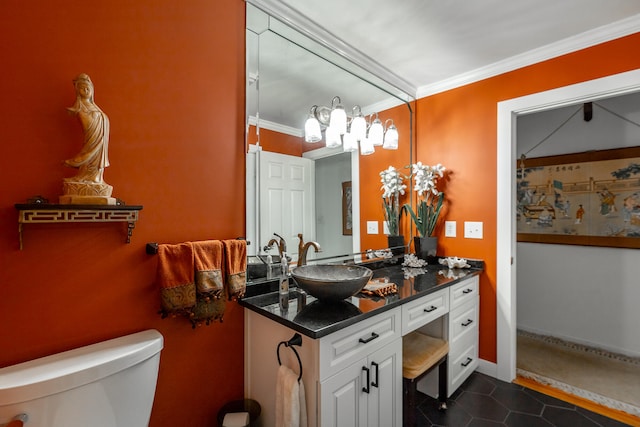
466, 291
466, 362
430, 309
467, 323
371, 338
375, 383
366, 387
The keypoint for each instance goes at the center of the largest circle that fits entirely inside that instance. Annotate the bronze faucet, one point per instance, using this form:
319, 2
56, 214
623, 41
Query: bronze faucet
279, 243
303, 248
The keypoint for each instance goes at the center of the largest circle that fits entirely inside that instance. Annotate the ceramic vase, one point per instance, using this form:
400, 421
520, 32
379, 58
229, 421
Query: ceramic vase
396, 244
426, 247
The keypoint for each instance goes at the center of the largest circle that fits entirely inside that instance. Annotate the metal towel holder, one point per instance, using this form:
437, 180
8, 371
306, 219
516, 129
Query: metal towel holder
295, 340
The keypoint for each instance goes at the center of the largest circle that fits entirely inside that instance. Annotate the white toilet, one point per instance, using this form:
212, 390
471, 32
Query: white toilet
108, 384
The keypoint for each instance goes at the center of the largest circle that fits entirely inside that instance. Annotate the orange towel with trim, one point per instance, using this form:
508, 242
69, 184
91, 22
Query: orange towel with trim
208, 255
175, 276
235, 256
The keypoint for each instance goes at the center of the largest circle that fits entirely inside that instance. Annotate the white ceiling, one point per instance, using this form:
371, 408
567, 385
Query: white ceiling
428, 43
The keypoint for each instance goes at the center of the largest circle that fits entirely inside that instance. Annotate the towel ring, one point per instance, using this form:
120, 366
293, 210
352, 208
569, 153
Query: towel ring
295, 340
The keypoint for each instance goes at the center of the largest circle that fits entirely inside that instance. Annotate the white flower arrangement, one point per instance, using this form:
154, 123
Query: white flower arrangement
428, 209
392, 188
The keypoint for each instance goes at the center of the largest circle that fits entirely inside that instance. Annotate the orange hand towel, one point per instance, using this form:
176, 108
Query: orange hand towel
208, 256
175, 278
235, 256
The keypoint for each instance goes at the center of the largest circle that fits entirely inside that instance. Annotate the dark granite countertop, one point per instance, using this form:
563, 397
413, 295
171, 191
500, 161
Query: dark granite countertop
316, 319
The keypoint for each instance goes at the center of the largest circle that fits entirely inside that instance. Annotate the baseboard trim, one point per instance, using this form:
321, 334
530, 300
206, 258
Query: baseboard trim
487, 368
621, 416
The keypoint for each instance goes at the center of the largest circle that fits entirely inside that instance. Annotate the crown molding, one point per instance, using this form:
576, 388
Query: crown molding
328, 40
276, 127
581, 41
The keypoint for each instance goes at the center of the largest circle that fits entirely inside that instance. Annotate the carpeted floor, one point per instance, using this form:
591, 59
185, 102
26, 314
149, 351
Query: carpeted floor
607, 379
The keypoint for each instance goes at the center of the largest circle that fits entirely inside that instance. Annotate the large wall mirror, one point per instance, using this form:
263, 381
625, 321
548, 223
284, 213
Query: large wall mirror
327, 195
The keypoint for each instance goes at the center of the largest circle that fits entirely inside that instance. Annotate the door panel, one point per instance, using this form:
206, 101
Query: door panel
286, 198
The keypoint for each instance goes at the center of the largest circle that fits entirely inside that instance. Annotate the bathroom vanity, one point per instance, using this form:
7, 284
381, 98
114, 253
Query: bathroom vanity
351, 351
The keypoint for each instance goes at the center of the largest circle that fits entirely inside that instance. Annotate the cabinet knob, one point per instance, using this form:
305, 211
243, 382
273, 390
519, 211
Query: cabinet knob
430, 309
467, 323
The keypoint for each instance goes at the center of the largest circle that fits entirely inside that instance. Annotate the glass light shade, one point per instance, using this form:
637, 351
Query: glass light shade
366, 147
349, 142
376, 133
333, 138
338, 120
312, 132
359, 128
391, 138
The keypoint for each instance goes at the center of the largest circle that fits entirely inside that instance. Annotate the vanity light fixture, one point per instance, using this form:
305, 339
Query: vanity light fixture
349, 142
351, 132
366, 147
358, 124
333, 138
390, 136
376, 132
312, 132
338, 119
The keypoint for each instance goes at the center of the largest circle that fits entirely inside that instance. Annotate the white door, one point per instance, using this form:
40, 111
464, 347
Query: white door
286, 196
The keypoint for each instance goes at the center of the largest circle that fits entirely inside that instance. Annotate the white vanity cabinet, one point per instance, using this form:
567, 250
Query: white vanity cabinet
352, 377
463, 331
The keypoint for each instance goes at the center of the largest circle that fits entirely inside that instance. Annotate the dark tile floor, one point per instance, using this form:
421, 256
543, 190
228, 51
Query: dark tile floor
483, 401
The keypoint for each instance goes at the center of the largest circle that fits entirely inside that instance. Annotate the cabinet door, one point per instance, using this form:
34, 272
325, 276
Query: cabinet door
385, 396
343, 401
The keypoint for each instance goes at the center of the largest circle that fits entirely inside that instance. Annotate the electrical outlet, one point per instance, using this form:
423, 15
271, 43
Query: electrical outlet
472, 230
372, 227
449, 229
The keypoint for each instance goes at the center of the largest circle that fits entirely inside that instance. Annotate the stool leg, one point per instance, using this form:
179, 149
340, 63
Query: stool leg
409, 406
442, 384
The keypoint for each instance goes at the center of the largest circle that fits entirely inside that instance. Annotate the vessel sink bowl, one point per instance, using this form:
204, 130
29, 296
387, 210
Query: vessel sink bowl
329, 282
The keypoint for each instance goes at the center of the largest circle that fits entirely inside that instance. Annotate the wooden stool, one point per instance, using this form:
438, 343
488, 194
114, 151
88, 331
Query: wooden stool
420, 354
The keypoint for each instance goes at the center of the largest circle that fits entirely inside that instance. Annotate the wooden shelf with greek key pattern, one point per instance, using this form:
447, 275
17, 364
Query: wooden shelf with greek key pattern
45, 213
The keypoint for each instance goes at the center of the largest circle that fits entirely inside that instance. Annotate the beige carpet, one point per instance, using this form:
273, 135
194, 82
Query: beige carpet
607, 379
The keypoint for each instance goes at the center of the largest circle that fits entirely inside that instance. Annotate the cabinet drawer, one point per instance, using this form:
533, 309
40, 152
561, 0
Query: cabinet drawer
462, 366
423, 310
463, 291
463, 321
340, 349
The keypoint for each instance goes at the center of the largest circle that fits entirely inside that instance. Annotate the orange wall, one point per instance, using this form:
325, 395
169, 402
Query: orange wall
458, 129
170, 76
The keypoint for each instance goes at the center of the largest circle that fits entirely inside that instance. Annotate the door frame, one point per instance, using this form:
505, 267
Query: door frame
508, 111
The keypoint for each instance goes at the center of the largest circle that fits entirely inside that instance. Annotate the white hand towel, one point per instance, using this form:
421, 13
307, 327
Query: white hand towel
291, 404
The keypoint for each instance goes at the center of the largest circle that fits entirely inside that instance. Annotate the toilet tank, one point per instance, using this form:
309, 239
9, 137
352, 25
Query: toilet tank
108, 384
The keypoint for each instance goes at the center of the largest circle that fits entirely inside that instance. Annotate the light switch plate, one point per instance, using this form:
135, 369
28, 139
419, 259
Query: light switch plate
372, 227
449, 229
472, 230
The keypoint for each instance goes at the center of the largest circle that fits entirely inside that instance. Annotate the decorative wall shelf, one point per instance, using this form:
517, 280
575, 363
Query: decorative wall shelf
45, 213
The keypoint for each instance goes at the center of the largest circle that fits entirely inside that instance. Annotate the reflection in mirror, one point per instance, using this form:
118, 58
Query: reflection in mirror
294, 187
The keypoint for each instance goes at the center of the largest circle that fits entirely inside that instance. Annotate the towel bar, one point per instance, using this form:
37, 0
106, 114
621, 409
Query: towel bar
295, 340
152, 247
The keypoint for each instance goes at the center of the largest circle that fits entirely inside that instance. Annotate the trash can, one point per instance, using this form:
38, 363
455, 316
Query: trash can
235, 408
